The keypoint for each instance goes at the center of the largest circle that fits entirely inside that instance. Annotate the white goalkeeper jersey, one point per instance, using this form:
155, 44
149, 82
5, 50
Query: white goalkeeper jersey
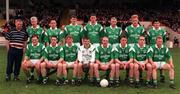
86, 55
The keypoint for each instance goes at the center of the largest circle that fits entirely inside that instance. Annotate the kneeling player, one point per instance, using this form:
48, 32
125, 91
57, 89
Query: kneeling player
124, 60
141, 61
70, 59
86, 57
53, 57
158, 55
104, 60
33, 57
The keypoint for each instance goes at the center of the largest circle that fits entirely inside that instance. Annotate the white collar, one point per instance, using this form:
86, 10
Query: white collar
156, 29
135, 27
114, 27
121, 45
107, 46
36, 45
91, 23
52, 46
71, 45
73, 25
53, 29
139, 45
35, 27
159, 48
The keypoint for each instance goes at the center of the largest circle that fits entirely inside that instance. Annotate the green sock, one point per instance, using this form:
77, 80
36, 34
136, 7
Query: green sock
74, 78
65, 78
111, 79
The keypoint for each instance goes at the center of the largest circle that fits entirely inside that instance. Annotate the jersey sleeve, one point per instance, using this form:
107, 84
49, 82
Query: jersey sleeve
168, 54
97, 54
45, 54
150, 53
61, 53
79, 54
116, 55
112, 54
93, 55
131, 52
164, 37
46, 38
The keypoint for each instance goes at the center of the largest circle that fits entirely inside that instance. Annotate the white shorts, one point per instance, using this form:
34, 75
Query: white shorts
159, 65
123, 62
95, 45
53, 62
34, 61
141, 62
104, 63
69, 63
77, 44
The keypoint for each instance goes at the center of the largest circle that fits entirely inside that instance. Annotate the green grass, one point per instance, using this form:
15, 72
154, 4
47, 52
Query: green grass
21, 88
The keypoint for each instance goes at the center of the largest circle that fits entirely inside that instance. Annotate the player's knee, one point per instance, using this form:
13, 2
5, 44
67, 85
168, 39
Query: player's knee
117, 66
131, 65
95, 66
80, 65
112, 66
59, 65
148, 66
43, 65
91, 65
136, 66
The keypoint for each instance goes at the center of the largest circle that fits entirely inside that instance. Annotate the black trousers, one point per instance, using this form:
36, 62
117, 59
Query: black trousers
14, 58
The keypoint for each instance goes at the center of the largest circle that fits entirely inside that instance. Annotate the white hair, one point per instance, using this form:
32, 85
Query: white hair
33, 18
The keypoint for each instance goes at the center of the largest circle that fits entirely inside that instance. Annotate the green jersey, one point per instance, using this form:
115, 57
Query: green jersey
113, 34
35, 31
70, 53
104, 54
153, 33
53, 53
53, 32
123, 54
75, 31
133, 33
94, 32
157, 54
34, 52
140, 53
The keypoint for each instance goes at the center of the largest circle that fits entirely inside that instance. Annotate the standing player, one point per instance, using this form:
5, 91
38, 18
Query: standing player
94, 31
160, 58
134, 31
86, 57
33, 57
53, 58
155, 31
113, 32
104, 60
70, 59
124, 60
74, 30
141, 61
53, 31
35, 29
